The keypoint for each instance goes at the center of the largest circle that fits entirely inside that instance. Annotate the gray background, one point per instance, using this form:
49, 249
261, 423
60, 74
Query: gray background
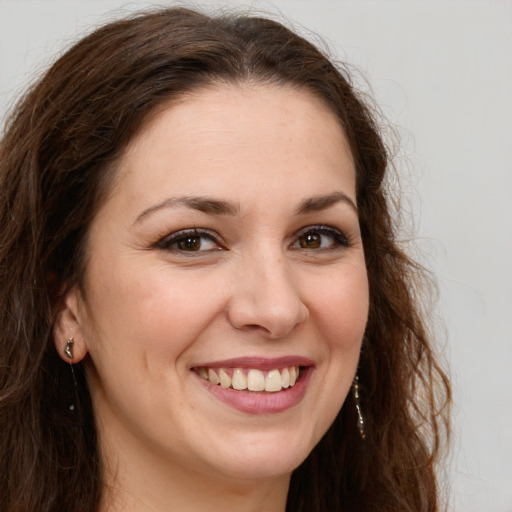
442, 73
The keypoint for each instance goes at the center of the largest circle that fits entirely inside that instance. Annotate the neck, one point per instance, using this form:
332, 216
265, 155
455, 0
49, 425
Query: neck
152, 492
160, 486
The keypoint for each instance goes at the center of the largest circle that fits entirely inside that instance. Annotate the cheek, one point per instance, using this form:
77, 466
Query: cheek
137, 331
155, 313
341, 305
339, 311
177, 309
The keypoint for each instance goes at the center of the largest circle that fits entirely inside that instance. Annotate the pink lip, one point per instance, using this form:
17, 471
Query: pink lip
259, 363
261, 402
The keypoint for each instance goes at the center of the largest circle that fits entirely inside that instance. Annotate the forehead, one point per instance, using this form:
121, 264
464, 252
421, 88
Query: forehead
237, 134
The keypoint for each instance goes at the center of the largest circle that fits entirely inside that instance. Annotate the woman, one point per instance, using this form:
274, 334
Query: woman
204, 302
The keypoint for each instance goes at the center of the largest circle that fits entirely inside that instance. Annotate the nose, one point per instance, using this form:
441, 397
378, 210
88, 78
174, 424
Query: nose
265, 298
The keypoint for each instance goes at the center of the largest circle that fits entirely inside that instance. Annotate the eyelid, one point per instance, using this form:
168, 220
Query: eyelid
338, 236
176, 236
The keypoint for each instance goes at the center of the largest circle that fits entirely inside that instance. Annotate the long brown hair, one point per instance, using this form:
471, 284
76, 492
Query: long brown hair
57, 160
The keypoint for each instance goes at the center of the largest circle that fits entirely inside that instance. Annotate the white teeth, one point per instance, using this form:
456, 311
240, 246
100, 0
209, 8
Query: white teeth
225, 379
273, 381
239, 380
285, 378
213, 377
255, 380
293, 375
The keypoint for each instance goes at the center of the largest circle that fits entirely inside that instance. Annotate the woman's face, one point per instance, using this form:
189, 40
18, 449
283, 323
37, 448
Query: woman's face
228, 255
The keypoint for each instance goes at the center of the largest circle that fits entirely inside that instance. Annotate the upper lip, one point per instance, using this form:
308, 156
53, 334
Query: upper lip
258, 363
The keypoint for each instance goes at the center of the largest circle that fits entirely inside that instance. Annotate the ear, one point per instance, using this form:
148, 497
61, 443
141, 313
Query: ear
68, 331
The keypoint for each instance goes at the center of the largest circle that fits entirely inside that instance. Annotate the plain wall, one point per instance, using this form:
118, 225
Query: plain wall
442, 73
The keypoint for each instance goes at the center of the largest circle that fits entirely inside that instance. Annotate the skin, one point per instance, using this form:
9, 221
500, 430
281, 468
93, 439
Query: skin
149, 312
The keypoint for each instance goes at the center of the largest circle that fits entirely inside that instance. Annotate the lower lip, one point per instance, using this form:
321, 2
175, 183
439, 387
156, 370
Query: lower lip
261, 402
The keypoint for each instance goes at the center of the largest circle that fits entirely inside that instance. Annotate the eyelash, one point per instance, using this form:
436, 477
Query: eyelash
175, 238
339, 240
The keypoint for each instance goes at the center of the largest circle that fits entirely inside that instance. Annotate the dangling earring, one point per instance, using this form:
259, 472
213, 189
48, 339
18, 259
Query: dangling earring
360, 420
69, 353
69, 348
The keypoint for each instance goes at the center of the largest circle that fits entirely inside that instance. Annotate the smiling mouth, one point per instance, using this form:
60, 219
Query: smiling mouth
252, 379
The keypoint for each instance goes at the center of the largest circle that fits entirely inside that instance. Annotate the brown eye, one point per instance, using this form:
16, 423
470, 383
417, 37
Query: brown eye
310, 241
190, 243
322, 238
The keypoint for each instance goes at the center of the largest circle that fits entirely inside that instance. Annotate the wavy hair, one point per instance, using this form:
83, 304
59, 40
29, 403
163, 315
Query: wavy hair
57, 162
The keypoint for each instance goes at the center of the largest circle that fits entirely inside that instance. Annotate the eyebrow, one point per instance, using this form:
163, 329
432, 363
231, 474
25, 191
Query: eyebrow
218, 207
322, 202
202, 204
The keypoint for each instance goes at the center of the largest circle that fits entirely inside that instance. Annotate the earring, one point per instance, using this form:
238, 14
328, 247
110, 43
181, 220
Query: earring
69, 353
360, 420
69, 348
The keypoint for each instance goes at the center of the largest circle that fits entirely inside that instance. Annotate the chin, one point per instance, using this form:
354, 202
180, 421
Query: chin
268, 456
